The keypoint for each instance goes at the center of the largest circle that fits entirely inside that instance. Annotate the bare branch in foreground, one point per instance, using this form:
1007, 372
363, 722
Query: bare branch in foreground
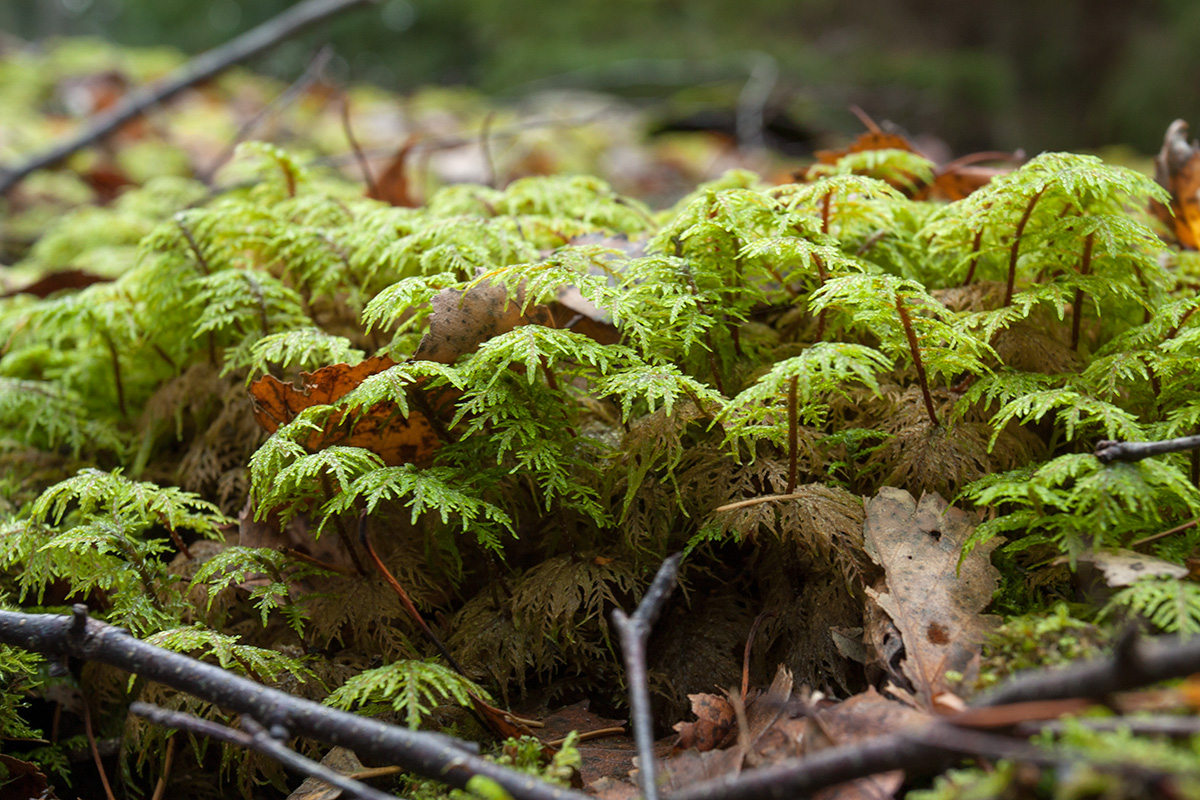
634, 631
921, 750
200, 68
1109, 450
424, 754
256, 738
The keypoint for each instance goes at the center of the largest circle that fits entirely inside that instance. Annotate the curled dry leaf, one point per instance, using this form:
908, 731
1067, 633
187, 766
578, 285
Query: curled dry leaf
934, 601
393, 187
382, 430
1177, 169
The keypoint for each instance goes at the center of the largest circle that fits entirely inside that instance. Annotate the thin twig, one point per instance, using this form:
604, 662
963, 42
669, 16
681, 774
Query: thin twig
1108, 450
356, 149
753, 501
634, 631
485, 147
201, 68
255, 737
1171, 726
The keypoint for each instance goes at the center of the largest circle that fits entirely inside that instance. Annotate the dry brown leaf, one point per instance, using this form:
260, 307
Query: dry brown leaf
57, 281
951, 181
864, 716
690, 767
715, 718
462, 321
343, 762
934, 601
393, 187
1177, 169
1123, 567
608, 756
24, 779
381, 429
296, 535
871, 140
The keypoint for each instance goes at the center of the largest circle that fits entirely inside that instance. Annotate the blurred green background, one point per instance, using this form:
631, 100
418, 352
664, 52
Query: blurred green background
1035, 74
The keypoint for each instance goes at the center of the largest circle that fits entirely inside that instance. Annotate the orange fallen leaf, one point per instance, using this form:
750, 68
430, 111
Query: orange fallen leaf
381, 429
1177, 169
461, 321
393, 186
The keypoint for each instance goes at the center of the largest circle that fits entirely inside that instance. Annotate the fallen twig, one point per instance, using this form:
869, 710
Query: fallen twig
1174, 727
1135, 663
634, 631
1108, 450
200, 68
427, 755
255, 737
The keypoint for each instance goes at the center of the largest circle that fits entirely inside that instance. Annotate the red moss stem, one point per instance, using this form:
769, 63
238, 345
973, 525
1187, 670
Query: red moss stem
1015, 250
911, 335
974, 257
1085, 267
793, 432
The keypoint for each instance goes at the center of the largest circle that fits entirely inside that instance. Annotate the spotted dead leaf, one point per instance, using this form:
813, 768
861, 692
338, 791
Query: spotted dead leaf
462, 321
934, 601
1123, 567
1177, 169
381, 429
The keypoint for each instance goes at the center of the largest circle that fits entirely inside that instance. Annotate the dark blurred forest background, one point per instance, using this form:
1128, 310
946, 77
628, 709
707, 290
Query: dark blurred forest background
1064, 74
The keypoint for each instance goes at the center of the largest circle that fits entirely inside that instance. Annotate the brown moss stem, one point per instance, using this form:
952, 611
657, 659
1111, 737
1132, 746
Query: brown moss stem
913, 347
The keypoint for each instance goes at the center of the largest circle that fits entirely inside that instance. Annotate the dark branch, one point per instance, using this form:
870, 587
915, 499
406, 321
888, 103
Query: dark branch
1108, 450
634, 631
429, 756
200, 68
256, 738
